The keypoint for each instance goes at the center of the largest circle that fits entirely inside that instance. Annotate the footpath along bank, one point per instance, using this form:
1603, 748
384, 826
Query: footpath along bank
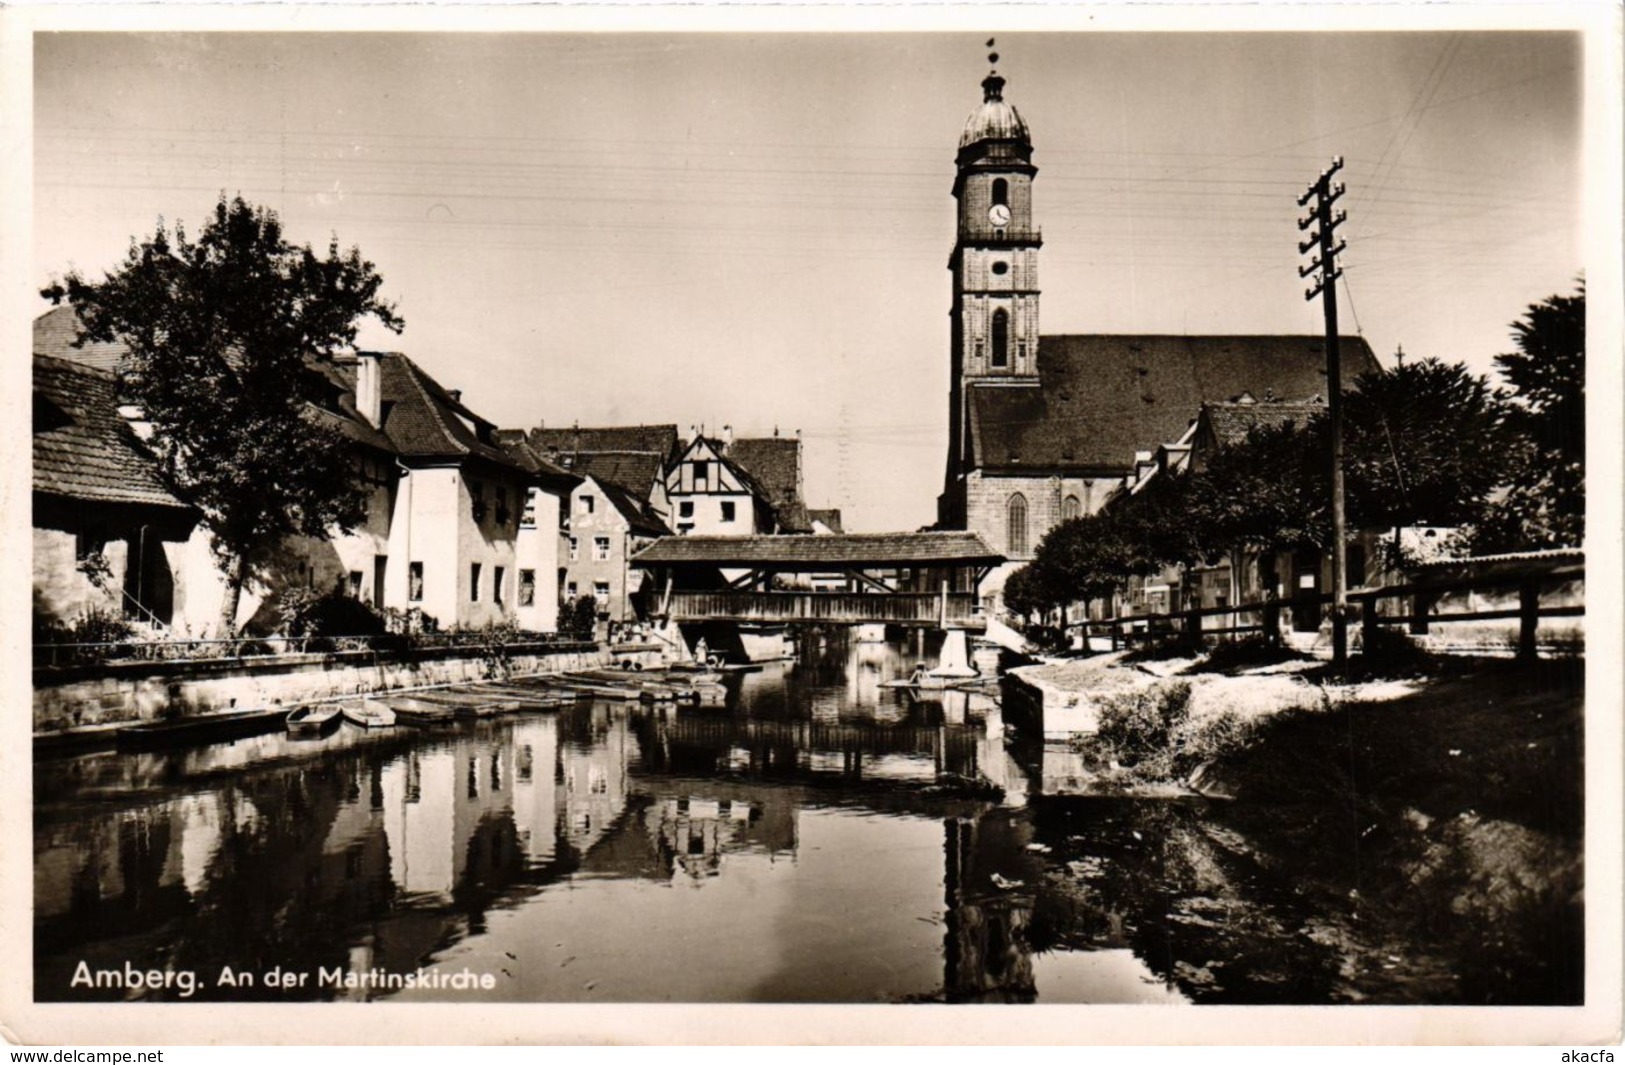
1430, 796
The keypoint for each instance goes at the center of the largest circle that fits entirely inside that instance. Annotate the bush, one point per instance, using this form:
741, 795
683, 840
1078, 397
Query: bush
1137, 728
1255, 650
578, 618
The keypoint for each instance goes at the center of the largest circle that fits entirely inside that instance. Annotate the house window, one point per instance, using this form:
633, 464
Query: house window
570, 589
1070, 508
685, 509
355, 584
476, 491
575, 549
414, 582
586, 504
702, 475
474, 582
1001, 337
1001, 191
684, 527
497, 574
527, 587
600, 549
527, 520
727, 510
1015, 532
600, 592
502, 505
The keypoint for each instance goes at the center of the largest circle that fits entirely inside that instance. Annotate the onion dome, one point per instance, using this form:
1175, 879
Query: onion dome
995, 120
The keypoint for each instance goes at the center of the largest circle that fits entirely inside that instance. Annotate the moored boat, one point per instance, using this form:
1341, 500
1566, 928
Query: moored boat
200, 729
369, 713
310, 722
413, 711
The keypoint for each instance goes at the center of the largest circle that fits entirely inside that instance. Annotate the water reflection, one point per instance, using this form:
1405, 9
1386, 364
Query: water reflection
811, 840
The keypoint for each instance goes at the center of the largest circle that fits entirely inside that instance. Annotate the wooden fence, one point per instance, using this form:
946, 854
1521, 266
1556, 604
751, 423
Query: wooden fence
1417, 610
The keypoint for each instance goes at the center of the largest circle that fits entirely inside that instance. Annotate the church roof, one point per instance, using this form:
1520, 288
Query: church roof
1102, 397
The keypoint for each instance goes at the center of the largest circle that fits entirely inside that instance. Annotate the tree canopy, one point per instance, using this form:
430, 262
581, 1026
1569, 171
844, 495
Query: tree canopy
1542, 503
220, 329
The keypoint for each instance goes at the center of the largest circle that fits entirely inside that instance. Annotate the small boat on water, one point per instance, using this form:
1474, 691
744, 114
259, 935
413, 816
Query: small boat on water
200, 729
412, 711
311, 722
369, 713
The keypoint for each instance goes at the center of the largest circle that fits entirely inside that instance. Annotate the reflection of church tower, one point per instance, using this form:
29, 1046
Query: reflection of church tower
994, 320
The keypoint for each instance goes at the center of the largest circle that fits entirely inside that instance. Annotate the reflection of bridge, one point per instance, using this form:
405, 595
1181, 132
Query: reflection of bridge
919, 579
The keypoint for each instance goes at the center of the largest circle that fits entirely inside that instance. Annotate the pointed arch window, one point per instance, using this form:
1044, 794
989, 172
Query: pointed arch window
1001, 191
1001, 338
1070, 508
1015, 533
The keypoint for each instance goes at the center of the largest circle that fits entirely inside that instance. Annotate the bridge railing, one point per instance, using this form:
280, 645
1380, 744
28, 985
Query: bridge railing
857, 607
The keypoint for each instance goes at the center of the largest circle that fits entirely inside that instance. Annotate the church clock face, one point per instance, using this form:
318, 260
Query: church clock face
998, 214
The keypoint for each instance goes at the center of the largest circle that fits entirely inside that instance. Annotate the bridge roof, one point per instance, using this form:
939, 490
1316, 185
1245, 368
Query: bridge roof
818, 553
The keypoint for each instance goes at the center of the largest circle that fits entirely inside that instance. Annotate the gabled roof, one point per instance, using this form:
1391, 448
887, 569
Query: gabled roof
83, 447
424, 421
518, 448
655, 439
55, 332
636, 510
1231, 422
775, 464
810, 553
1100, 398
635, 471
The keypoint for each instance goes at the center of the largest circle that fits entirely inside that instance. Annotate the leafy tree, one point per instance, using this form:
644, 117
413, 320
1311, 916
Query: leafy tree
219, 329
1267, 492
1415, 443
1543, 501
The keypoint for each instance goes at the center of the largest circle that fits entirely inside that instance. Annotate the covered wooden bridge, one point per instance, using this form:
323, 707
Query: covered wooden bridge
917, 578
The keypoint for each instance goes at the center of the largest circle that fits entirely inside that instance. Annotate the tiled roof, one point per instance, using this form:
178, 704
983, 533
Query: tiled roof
657, 439
1231, 422
635, 509
810, 552
1104, 397
83, 447
635, 471
518, 448
774, 462
57, 329
830, 519
425, 421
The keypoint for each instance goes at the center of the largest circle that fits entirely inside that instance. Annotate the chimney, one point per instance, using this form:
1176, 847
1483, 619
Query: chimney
727, 435
456, 394
369, 388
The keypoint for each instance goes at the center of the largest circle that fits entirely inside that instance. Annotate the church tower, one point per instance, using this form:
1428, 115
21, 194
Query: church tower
994, 263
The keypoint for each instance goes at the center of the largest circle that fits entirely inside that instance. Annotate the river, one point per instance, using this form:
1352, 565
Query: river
811, 841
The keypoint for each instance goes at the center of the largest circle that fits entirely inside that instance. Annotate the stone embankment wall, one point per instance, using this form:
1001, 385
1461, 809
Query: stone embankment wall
126, 692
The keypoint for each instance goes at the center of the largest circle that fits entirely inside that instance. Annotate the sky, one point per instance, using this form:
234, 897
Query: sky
753, 230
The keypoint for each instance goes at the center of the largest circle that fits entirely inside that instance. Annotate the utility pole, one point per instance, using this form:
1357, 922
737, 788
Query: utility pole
1325, 194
